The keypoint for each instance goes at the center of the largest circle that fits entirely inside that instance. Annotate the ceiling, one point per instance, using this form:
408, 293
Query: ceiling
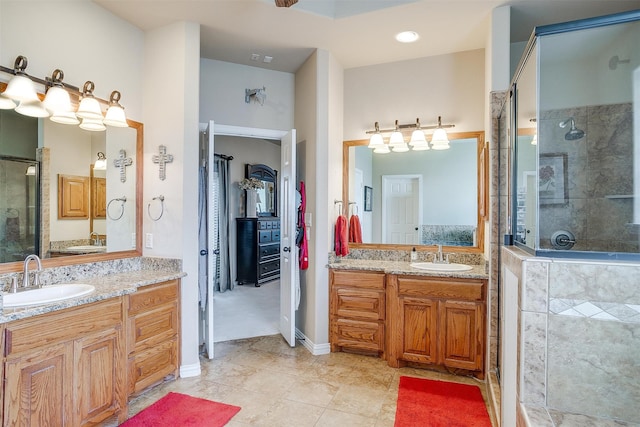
357, 32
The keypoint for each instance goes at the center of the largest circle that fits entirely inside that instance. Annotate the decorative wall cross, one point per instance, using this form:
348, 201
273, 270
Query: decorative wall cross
122, 162
162, 159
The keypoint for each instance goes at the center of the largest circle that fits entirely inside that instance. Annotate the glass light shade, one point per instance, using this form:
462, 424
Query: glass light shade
115, 117
440, 141
418, 140
57, 100
534, 141
396, 138
6, 103
100, 164
21, 88
89, 108
376, 140
400, 148
31, 170
32, 109
66, 118
384, 149
92, 125
420, 147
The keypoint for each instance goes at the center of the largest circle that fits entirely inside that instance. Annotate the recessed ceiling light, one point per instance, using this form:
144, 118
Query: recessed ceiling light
407, 36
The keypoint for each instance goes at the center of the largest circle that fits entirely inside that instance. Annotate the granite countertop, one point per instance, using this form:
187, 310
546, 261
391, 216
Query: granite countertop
107, 286
403, 267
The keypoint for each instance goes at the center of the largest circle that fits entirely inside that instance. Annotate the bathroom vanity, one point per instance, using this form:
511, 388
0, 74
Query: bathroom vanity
409, 316
77, 362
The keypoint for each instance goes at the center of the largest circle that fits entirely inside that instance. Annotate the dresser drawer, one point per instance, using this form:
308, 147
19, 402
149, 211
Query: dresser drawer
356, 334
267, 268
441, 287
268, 252
359, 304
264, 236
275, 235
153, 365
358, 279
149, 328
147, 298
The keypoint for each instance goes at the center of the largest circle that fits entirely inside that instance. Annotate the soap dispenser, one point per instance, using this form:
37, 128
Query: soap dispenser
414, 255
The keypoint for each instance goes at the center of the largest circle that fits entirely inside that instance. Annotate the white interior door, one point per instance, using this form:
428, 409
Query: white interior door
212, 236
288, 218
403, 208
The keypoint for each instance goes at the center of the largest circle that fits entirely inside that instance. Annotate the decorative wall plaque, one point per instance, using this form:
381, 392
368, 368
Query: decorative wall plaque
122, 162
162, 159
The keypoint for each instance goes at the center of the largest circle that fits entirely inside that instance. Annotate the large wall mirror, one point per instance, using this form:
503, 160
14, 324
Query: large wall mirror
419, 198
267, 196
54, 203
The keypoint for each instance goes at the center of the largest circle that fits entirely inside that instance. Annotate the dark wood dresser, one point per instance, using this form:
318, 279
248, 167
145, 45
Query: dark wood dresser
258, 250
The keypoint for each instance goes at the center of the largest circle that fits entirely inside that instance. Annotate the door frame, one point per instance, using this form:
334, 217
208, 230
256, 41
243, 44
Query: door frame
385, 179
245, 132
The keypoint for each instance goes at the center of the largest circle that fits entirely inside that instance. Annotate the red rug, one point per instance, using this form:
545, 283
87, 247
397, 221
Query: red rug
427, 403
177, 409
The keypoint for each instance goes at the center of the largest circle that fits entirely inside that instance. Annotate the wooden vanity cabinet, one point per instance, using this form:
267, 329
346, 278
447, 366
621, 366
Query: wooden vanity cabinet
152, 341
357, 311
66, 367
437, 321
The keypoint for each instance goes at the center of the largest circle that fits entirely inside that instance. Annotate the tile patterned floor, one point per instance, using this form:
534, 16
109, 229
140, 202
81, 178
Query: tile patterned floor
279, 386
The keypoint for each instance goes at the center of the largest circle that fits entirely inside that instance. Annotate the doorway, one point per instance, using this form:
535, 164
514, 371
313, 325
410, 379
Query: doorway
243, 311
402, 209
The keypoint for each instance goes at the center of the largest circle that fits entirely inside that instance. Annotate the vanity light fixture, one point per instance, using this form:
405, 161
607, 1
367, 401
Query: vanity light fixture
58, 103
418, 142
101, 163
31, 170
534, 140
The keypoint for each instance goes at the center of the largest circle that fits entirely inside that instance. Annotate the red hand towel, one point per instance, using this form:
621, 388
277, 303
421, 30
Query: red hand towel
355, 230
341, 238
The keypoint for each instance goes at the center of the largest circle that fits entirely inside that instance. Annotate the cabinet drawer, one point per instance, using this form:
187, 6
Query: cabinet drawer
441, 287
359, 304
65, 325
149, 328
153, 365
269, 251
358, 334
267, 268
358, 279
264, 236
148, 298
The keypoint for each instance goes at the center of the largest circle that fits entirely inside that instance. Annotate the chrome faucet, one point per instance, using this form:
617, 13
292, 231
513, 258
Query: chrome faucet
94, 241
25, 272
439, 257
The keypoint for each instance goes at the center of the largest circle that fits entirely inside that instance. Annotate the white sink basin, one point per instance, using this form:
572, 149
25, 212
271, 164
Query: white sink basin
441, 267
46, 294
87, 248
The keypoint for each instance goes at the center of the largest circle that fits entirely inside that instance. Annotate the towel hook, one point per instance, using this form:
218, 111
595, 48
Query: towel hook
161, 198
123, 200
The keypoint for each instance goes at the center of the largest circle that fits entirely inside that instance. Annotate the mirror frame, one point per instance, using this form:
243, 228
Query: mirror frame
264, 173
482, 195
12, 267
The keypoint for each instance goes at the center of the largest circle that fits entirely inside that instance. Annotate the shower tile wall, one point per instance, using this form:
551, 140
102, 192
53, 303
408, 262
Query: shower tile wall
581, 357
599, 170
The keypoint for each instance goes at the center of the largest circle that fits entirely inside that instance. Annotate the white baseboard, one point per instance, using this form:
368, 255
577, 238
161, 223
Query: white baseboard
315, 349
190, 370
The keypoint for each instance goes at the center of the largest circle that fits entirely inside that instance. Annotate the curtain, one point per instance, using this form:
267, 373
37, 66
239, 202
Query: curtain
223, 280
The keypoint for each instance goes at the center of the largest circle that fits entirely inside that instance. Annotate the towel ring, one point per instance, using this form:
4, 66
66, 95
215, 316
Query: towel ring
354, 211
161, 198
123, 200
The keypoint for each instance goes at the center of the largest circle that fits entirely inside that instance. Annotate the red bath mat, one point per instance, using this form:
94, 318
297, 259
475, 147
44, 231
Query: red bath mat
428, 403
177, 409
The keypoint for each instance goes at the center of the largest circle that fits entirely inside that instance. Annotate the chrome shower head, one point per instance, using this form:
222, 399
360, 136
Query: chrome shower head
574, 133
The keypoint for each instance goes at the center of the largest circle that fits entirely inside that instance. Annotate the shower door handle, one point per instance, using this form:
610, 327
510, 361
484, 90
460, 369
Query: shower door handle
204, 252
286, 249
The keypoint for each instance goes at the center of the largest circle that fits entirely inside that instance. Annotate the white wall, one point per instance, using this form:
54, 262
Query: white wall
81, 39
243, 150
451, 86
222, 96
175, 49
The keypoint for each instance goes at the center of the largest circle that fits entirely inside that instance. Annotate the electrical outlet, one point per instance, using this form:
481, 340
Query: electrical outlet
149, 241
